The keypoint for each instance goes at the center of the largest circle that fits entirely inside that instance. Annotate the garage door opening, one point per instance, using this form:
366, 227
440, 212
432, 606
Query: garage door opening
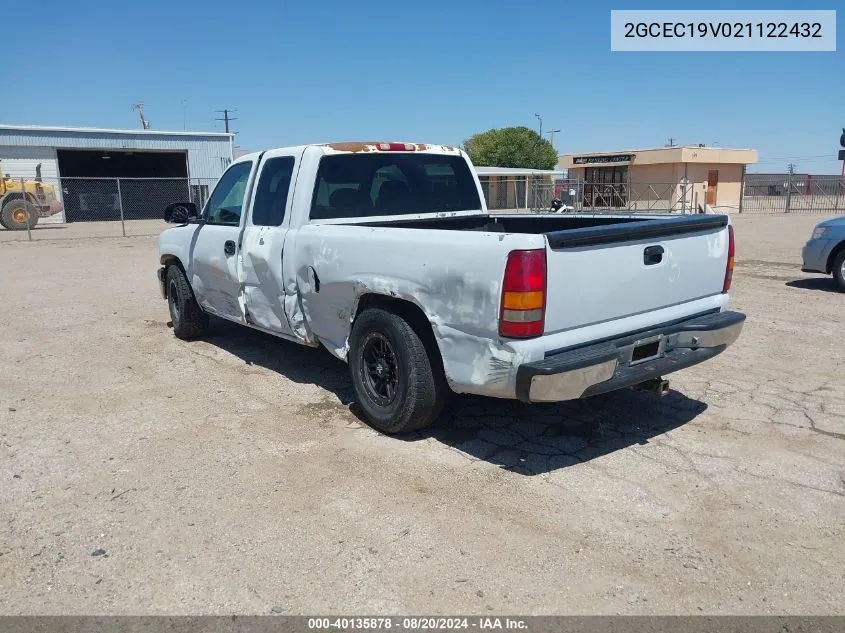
103, 184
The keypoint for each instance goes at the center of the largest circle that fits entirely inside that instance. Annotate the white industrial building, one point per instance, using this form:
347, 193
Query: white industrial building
73, 160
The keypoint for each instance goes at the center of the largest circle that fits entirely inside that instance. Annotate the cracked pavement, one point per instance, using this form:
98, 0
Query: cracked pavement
141, 474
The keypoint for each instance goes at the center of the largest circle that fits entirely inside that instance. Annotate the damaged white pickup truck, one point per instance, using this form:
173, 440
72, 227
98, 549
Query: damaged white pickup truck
385, 254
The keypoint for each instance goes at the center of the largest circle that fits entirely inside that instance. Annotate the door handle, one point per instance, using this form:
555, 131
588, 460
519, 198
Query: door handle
229, 247
653, 255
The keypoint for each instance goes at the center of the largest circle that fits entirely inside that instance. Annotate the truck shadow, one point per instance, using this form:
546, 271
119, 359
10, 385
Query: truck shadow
825, 284
535, 439
522, 438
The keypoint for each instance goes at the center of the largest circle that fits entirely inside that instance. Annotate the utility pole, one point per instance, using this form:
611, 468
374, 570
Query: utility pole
551, 134
226, 118
791, 169
145, 125
540, 119
671, 142
842, 152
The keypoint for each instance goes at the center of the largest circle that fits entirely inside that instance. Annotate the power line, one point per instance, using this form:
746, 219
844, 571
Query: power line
771, 158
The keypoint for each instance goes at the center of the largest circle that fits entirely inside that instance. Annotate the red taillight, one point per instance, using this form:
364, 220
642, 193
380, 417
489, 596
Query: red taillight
397, 147
523, 310
729, 269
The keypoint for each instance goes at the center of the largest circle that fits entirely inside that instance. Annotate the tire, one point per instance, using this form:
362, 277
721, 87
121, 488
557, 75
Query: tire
385, 339
189, 320
14, 213
839, 270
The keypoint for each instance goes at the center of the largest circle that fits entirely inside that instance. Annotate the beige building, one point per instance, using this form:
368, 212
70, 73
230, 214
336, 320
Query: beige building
673, 178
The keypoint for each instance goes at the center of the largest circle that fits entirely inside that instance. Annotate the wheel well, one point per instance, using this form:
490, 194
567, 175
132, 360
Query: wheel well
172, 260
9, 197
833, 255
412, 313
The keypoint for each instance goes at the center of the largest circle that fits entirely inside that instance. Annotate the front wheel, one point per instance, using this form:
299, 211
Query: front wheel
17, 213
189, 320
839, 270
397, 383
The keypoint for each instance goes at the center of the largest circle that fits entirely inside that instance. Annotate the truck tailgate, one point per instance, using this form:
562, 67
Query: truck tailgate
603, 273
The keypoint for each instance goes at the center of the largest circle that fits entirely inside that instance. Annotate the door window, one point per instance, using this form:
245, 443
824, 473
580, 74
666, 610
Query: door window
226, 203
272, 195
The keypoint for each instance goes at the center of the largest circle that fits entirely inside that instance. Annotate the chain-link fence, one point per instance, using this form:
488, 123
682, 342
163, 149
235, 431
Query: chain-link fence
793, 193
33, 206
37, 207
537, 194
633, 196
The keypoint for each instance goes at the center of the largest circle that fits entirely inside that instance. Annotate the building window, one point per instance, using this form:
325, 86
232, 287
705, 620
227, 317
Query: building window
606, 187
606, 175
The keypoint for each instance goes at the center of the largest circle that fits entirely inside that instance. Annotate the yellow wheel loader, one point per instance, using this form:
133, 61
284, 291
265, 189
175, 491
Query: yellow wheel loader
24, 205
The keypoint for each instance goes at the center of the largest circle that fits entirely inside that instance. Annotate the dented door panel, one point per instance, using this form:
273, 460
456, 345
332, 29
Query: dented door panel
263, 242
262, 272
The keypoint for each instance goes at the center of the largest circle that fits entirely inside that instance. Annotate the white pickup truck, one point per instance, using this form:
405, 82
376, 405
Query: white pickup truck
385, 254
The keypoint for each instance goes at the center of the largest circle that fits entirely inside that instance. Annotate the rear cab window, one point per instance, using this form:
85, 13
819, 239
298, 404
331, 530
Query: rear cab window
392, 183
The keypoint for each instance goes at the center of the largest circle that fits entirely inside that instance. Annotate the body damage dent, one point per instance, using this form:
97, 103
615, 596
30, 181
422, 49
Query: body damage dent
477, 364
297, 317
375, 146
473, 359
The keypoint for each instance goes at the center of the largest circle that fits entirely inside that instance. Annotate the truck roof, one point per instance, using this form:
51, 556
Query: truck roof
352, 147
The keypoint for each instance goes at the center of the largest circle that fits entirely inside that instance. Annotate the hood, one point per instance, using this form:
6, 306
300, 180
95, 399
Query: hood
838, 221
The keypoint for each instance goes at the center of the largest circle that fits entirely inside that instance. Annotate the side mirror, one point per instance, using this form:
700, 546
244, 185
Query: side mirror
180, 212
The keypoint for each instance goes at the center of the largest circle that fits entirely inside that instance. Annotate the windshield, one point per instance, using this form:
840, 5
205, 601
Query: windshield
395, 183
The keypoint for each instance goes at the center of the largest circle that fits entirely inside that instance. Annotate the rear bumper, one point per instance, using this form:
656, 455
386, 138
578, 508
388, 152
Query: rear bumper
46, 209
611, 365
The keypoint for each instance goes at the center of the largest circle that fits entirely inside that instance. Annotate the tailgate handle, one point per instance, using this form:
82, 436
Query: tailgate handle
653, 255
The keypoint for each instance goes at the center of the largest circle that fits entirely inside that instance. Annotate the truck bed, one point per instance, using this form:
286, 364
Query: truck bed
605, 267
568, 230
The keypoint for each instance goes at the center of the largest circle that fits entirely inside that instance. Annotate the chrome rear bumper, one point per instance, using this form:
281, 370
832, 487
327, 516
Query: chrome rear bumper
628, 360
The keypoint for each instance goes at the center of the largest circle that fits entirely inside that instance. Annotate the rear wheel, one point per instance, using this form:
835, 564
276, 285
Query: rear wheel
397, 383
17, 213
839, 270
189, 320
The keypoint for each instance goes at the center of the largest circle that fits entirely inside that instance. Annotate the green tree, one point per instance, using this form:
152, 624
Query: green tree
511, 147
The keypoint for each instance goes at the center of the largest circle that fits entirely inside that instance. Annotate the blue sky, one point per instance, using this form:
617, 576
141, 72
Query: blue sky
433, 71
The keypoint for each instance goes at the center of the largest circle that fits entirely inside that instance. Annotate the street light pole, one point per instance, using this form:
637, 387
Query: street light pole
540, 119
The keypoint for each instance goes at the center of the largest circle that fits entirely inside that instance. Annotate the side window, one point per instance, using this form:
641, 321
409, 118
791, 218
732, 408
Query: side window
225, 204
272, 195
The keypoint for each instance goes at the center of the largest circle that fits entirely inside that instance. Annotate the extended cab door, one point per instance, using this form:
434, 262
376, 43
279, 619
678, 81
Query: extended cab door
213, 259
263, 241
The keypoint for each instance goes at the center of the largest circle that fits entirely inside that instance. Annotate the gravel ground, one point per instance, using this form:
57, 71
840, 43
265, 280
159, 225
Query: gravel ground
141, 474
